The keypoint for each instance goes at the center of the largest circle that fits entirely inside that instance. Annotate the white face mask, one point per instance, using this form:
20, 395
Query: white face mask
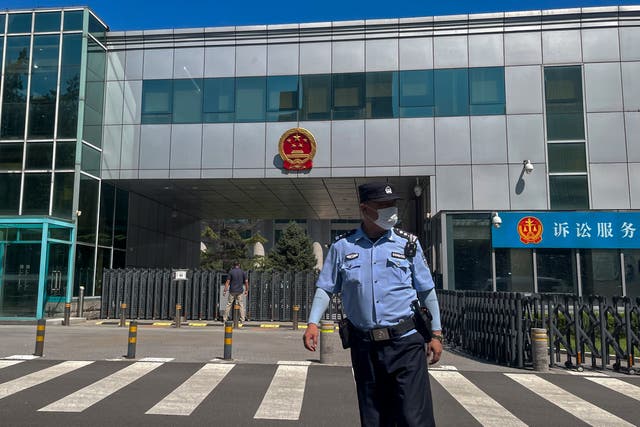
387, 217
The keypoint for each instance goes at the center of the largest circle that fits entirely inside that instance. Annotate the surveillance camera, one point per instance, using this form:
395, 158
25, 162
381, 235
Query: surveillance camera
496, 220
79, 213
528, 166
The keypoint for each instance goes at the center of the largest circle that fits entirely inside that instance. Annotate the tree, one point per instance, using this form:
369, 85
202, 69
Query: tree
226, 245
294, 251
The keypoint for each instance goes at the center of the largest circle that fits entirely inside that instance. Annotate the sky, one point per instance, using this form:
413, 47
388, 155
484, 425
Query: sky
162, 14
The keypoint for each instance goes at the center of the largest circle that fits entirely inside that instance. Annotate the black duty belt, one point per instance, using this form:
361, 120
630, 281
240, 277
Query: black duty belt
384, 334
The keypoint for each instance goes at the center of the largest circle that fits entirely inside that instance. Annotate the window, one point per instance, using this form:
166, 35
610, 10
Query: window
63, 195
39, 155
65, 155
348, 96
187, 101
44, 79
37, 188
250, 99
282, 98
567, 157
219, 100
556, 271
19, 23
514, 270
416, 93
88, 205
632, 272
451, 92
568, 192
73, 20
105, 223
600, 272
94, 94
11, 156
90, 160
381, 100
157, 102
486, 91
470, 249
316, 97
14, 102
47, 22
69, 85
563, 99
9, 193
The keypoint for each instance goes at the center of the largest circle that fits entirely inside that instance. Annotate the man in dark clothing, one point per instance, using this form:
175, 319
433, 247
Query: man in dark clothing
237, 286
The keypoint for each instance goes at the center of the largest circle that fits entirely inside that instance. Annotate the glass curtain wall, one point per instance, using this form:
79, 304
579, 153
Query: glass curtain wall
469, 252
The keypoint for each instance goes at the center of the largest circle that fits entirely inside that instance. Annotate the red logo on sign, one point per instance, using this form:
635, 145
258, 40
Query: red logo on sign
297, 147
530, 230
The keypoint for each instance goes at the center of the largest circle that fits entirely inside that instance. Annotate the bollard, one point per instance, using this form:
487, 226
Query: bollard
123, 309
228, 339
133, 339
296, 309
539, 350
236, 312
67, 313
331, 351
178, 314
40, 337
80, 311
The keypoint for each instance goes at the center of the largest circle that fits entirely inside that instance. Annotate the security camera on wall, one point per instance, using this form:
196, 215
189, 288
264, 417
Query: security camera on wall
496, 220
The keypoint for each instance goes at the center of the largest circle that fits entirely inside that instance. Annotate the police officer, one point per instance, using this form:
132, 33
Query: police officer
379, 279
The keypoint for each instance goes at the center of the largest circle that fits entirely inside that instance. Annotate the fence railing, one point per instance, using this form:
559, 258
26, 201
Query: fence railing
496, 326
151, 294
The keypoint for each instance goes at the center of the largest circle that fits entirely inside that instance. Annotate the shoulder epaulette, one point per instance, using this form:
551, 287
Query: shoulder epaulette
344, 235
411, 246
410, 237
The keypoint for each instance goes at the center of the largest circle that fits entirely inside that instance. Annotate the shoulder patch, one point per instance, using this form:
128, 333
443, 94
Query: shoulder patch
344, 235
352, 256
398, 255
410, 237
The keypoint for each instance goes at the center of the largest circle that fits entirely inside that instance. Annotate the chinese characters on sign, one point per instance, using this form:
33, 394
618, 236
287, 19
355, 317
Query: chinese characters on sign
605, 230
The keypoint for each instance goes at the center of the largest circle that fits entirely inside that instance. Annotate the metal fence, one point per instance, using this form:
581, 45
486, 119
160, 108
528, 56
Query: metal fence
152, 294
496, 326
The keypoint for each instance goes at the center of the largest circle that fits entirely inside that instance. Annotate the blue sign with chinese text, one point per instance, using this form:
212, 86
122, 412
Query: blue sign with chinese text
597, 230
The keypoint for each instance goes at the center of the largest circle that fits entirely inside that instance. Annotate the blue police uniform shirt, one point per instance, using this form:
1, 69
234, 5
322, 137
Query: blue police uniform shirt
377, 281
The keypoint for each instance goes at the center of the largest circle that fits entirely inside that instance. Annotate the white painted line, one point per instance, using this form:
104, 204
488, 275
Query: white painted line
620, 386
294, 362
481, 406
7, 363
190, 394
157, 359
283, 399
22, 357
587, 373
583, 410
443, 368
94, 393
39, 377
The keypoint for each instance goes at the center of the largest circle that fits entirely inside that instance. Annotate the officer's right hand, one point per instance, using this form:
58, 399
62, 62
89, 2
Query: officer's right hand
310, 337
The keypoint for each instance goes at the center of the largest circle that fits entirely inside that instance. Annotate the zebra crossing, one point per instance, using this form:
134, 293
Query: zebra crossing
307, 393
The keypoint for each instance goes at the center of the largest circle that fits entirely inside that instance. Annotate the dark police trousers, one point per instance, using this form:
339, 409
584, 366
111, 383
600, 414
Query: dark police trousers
392, 382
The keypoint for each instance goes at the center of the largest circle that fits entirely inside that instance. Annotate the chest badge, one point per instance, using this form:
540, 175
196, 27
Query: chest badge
352, 256
398, 255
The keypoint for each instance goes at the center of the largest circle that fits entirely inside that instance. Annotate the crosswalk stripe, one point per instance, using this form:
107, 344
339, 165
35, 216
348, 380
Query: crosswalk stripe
480, 405
585, 411
283, 399
587, 373
39, 377
190, 394
6, 363
622, 387
94, 393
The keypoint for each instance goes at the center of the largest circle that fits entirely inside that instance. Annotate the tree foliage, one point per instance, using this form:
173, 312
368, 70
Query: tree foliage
294, 251
225, 244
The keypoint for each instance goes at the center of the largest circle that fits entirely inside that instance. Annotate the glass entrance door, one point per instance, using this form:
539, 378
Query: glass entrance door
57, 271
19, 277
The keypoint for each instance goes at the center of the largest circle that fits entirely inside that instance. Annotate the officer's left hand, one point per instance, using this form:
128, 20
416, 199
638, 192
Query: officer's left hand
434, 349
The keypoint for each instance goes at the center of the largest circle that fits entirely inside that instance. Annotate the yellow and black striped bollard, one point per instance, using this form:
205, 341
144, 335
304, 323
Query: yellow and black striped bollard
228, 339
67, 313
133, 339
123, 314
296, 309
40, 337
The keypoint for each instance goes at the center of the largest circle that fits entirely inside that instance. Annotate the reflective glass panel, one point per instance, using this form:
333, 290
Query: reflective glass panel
250, 99
39, 155
282, 98
556, 271
381, 101
9, 193
37, 189
59, 233
14, 102
65, 155
470, 249
73, 20
416, 93
316, 97
121, 219
19, 279
11, 156
85, 260
219, 100
19, 23
103, 260
90, 160
348, 96
568, 192
157, 101
632, 272
567, 157
88, 205
96, 29
105, 223
94, 94
486, 91
119, 259
47, 21
601, 274
187, 101
62, 195
69, 85
44, 79
451, 92
514, 270
2, 19
564, 105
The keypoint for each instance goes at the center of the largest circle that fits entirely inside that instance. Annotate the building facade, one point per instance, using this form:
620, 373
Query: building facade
114, 145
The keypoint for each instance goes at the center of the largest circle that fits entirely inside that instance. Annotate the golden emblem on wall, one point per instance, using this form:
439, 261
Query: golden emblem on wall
297, 147
530, 230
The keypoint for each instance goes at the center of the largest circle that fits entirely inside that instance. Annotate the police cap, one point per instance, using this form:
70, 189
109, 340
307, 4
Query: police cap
377, 192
